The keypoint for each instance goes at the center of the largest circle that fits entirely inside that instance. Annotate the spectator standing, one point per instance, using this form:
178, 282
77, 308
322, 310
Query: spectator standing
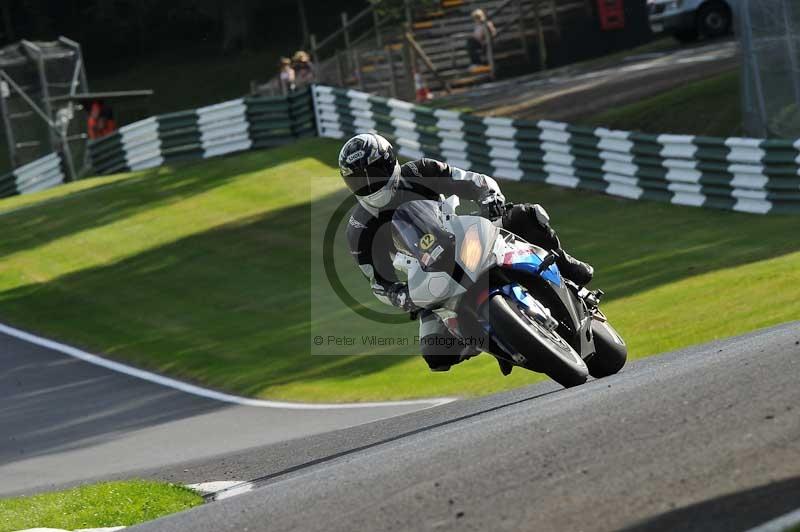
303, 68
483, 30
101, 120
287, 75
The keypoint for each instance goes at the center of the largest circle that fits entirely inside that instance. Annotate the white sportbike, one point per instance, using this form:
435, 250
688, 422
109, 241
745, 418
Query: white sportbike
486, 283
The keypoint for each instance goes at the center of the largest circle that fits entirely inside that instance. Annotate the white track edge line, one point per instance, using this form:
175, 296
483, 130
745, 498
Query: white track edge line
198, 390
779, 524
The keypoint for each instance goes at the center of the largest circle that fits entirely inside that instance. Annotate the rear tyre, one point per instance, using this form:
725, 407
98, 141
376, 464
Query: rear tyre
611, 351
545, 351
714, 20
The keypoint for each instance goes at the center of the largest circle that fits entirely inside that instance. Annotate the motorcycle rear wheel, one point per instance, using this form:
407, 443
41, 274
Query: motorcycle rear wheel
545, 351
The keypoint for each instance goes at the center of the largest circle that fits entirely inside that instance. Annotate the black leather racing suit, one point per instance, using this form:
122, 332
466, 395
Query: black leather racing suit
369, 237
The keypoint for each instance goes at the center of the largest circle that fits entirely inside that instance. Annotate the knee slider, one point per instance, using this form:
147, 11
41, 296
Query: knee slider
440, 350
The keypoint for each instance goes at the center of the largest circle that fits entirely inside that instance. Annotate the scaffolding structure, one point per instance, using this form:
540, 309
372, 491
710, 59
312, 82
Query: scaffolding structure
770, 37
37, 81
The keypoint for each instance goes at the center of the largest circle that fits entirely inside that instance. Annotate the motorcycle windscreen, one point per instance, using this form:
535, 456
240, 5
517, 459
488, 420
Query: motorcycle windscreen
417, 231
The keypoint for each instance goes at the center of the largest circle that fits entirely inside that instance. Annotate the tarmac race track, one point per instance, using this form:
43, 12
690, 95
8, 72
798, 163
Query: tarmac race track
64, 421
703, 439
579, 91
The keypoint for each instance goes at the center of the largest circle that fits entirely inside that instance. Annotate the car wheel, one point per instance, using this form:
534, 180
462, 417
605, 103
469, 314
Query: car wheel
714, 20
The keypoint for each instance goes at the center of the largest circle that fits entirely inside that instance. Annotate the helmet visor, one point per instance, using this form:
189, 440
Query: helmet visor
372, 182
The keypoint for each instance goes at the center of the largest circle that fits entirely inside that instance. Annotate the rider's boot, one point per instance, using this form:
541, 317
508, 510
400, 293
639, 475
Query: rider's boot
532, 223
576, 271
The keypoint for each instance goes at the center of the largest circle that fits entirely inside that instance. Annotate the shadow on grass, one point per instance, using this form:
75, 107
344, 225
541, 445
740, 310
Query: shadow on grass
637, 246
35, 225
232, 307
229, 307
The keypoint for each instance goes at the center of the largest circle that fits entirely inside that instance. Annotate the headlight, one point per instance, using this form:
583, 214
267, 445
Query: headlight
471, 249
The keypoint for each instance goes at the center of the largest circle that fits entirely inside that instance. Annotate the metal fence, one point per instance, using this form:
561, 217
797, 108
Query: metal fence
770, 36
741, 174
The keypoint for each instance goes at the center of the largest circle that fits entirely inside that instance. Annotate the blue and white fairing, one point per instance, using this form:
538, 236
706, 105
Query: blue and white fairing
524, 257
558, 305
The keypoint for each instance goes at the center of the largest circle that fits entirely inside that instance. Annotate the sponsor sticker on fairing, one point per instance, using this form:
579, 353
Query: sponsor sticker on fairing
427, 241
511, 256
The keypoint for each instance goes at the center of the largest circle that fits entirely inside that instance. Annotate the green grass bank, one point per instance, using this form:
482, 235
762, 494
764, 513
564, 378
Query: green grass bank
97, 505
711, 107
204, 271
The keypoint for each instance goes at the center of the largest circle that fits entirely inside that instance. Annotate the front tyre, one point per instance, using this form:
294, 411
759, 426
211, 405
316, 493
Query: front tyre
545, 351
611, 351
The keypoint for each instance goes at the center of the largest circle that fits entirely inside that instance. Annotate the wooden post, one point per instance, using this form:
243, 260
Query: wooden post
376, 21
540, 36
523, 40
346, 31
791, 47
348, 58
301, 10
554, 15
408, 65
392, 74
314, 53
357, 68
339, 69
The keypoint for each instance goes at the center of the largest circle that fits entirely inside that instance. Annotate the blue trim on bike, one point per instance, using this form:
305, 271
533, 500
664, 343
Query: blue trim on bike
530, 263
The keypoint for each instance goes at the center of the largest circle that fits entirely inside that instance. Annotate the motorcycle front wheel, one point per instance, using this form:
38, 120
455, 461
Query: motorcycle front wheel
611, 351
545, 351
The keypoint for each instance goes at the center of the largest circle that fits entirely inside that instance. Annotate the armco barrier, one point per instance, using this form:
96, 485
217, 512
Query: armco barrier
40, 174
232, 126
748, 175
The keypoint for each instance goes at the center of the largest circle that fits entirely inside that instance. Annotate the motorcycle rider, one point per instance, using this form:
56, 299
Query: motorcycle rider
369, 166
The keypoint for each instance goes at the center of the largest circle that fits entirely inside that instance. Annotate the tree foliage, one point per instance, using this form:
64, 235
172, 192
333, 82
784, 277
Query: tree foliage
113, 30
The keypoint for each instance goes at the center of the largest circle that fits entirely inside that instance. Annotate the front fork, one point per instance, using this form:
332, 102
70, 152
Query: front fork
527, 304
530, 307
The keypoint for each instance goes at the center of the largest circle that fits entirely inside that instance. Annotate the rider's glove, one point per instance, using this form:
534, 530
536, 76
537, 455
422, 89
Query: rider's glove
492, 204
398, 295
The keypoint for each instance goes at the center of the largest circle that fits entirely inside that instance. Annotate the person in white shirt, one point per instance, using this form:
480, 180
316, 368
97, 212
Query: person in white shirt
287, 75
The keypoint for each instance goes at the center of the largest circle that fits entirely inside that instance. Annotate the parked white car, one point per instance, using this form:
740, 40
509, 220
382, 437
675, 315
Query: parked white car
688, 19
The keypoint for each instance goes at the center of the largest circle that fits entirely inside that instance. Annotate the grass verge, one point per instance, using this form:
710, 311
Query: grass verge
710, 107
98, 505
203, 271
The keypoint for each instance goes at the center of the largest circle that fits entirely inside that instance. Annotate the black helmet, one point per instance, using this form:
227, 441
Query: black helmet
369, 167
